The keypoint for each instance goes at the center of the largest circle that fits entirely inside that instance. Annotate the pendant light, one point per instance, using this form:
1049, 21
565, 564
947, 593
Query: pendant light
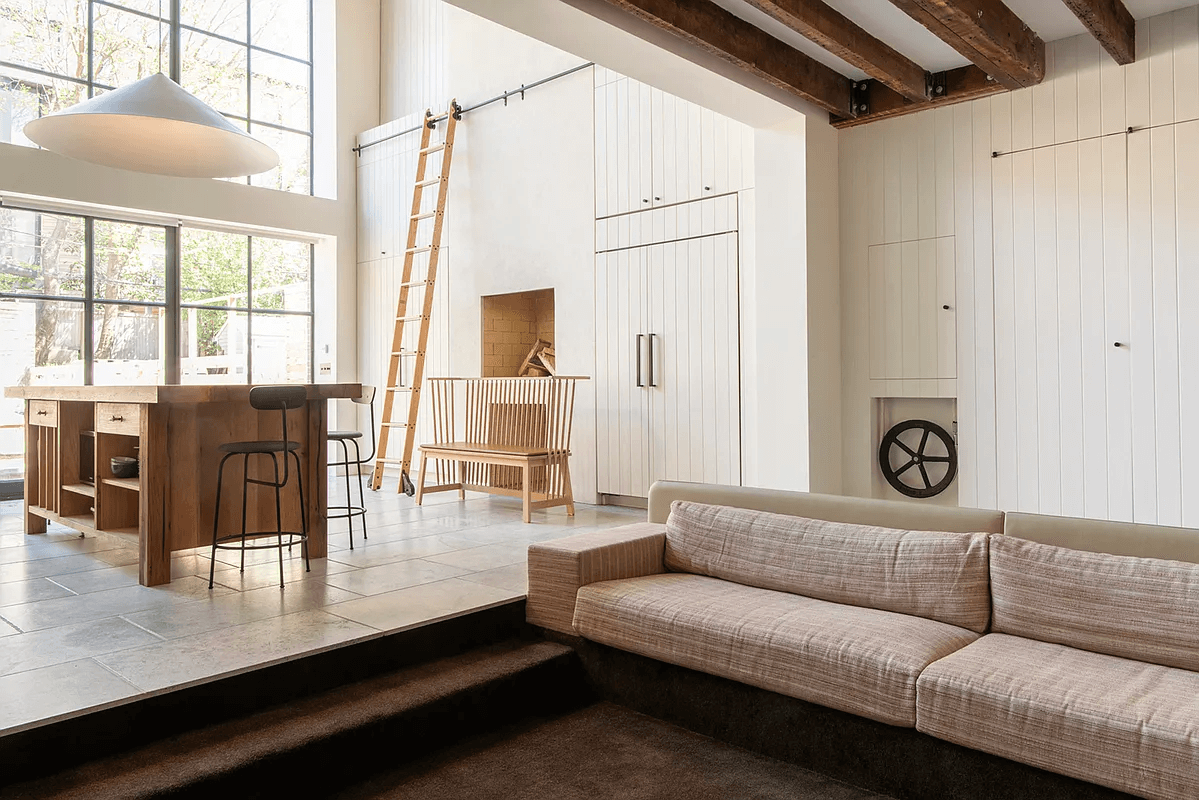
153, 125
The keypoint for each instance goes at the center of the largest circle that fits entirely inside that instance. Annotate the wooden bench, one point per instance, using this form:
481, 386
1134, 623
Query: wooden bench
516, 442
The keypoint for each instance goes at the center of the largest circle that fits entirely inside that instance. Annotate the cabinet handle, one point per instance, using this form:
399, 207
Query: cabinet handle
652, 381
115, 418
42, 413
640, 336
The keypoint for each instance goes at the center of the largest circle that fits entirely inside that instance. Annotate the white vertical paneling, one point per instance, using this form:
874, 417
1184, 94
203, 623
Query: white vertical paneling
891, 155
1185, 24
927, 311
984, 308
601, 149
1045, 357
1069, 331
1168, 412
642, 133
1187, 227
945, 318
893, 303
876, 299
909, 177
925, 143
963, 304
943, 154
1114, 154
1093, 321
1025, 302
1003, 222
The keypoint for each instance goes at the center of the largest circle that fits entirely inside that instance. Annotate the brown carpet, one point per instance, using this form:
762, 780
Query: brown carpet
602, 751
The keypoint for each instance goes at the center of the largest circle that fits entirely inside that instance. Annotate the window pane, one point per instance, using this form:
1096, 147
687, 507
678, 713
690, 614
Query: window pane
25, 96
282, 348
41, 253
128, 344
41, 342
214, 268
130, 262
280, 25
50, 35
213, 346
279, 91
126, 47
146, 6
215, 71
226, 17
281, 270
294, 150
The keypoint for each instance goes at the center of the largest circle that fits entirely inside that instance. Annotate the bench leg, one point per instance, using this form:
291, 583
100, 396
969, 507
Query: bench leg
420, 481
567, 492
525, 494
461, 480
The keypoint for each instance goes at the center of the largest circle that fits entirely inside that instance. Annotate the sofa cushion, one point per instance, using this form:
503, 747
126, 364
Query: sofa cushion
1120, 723
940, 576
859, 660
1140, 608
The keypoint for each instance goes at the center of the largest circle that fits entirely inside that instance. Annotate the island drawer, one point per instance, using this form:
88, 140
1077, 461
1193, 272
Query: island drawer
123, 418
44, 413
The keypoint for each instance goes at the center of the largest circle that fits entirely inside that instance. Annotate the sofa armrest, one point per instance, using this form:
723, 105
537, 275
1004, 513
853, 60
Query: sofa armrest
558, 568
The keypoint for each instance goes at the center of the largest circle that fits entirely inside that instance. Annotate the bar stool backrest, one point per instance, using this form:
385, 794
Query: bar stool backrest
271, 398
367, 397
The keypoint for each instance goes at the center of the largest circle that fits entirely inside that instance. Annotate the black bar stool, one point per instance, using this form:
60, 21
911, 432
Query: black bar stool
264, 398
345, 439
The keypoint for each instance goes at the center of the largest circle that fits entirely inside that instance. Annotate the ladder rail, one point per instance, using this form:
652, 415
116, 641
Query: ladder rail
403, 315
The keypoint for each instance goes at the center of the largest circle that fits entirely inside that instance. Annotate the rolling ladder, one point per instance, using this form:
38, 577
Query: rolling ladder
405, 315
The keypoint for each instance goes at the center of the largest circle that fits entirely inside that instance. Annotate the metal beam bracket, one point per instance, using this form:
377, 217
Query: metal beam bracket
859, 98
936, 85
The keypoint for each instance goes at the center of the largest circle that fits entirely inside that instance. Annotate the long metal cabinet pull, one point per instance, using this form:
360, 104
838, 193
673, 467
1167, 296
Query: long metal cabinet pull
652, 381
639, 381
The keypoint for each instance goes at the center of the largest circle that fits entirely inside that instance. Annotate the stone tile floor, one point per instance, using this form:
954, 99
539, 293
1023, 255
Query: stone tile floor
77, 631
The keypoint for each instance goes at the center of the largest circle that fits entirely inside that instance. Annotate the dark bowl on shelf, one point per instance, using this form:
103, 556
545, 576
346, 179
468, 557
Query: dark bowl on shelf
124, 467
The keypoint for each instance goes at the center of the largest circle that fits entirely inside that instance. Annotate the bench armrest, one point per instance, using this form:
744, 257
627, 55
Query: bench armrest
558, 568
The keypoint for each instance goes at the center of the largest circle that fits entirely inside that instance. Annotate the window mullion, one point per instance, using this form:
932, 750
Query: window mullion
250, 305
171, 364
89, 298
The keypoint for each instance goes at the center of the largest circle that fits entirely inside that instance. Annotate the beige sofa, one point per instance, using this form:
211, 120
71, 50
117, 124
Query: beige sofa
1008, 635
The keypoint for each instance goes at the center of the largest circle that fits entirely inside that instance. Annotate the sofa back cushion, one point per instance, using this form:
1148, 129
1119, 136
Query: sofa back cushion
1145, 609
939, 576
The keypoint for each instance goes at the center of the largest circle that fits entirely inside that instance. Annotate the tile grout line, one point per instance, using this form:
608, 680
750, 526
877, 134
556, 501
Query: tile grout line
140, 627
59, 585
112, 671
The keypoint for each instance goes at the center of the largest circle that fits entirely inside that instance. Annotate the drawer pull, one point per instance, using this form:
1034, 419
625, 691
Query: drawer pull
115, 418
42, 413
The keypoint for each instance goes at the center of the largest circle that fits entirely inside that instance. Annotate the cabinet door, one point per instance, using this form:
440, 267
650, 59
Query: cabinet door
622, 406
696, 377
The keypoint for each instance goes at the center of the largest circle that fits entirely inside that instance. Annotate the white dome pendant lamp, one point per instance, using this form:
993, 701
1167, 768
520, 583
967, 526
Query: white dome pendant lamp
153, 125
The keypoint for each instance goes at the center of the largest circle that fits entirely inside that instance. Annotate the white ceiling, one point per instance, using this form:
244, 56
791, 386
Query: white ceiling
1049, 18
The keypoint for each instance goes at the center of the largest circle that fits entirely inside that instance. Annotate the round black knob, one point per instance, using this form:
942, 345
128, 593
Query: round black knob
945, 307
1118, 344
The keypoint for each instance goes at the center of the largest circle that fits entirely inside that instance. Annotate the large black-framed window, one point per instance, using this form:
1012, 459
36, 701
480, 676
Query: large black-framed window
249, 59
93, 300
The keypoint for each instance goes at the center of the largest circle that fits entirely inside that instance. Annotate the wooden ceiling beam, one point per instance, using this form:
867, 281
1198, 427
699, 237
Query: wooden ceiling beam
988, 34
954, 86
715, 31
830, 29
1110, 22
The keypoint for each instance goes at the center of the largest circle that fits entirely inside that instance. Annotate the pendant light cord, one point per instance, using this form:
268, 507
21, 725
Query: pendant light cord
160, 36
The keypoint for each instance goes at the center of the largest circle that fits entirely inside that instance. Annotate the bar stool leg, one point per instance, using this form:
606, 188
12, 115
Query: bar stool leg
303, 515
279, 513
245, 486
216, 520
361, 497
345, 464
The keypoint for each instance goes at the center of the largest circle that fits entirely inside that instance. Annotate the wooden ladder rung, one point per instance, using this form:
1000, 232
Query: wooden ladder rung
414, 250
430, 181
396, 353
433, 148
410, 284
401, 389
394, 424
410, 319
425, 215
387, 460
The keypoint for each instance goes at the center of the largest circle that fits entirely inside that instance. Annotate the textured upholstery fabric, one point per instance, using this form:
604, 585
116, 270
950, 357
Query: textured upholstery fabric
1105, 536
1123, 724
859, 660
939, 576
1139, 608
559, 567
901, 515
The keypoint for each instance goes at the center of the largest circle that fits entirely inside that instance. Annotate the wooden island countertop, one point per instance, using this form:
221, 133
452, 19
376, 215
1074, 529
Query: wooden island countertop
176, 432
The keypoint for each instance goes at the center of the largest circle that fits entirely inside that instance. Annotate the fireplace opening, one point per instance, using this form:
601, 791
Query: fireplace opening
518, 334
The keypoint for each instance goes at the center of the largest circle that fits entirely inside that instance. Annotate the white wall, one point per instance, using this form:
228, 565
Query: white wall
1083, 238
350, 92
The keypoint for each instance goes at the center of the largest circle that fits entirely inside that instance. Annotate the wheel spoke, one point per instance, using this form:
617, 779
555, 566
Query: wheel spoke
907, 449
924, 440
924, 473
937, 459
905, 468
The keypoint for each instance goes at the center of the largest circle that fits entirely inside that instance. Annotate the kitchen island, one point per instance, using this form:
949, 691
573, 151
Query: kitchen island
73, 432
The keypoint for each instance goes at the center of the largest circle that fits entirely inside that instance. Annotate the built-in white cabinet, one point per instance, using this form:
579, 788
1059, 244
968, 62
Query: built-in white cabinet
655, 149
912, 314
668, 364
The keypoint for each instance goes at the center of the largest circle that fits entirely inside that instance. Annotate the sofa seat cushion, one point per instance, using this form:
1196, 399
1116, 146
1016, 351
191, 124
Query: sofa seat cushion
938, 575
861, 660
1120, 723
